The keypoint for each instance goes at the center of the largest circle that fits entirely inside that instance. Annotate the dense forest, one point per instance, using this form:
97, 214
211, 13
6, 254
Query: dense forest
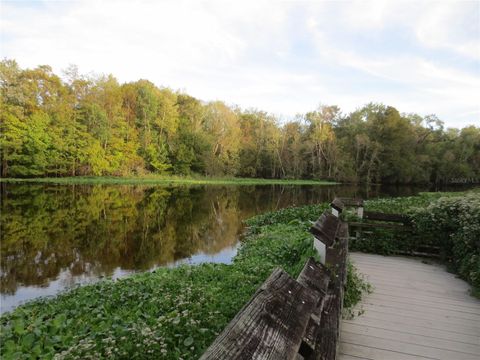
73, 125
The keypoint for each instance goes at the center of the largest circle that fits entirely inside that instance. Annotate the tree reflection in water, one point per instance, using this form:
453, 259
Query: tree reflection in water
53, 237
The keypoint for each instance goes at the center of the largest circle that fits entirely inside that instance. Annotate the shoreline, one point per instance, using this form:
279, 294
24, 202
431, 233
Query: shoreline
159, 180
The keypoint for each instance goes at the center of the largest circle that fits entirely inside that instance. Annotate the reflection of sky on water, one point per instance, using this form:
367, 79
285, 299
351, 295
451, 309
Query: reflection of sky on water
222, 257
66, 281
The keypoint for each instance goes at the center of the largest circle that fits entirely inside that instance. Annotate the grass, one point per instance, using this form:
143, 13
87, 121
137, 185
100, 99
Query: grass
164, 180
166, 314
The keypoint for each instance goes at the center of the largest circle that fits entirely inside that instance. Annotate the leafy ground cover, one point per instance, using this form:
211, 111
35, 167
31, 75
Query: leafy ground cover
165, 180
169, 313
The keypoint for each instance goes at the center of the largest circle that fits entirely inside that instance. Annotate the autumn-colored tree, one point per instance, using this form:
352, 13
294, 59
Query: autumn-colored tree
92, 125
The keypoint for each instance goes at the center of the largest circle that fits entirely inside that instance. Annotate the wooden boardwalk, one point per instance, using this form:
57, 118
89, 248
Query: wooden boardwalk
416, 311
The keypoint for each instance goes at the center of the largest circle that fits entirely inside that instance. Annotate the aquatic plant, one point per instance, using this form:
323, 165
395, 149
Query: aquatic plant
168, 313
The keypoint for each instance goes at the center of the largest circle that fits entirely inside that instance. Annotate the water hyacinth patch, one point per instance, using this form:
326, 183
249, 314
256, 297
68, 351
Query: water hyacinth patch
167, 314
302, 216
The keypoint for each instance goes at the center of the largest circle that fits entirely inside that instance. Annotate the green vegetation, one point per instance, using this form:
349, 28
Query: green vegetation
169, 313
357, 286
449, 221
93, 126
453, 223
164, 180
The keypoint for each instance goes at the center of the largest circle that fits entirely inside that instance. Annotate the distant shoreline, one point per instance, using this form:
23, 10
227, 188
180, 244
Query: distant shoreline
164, 180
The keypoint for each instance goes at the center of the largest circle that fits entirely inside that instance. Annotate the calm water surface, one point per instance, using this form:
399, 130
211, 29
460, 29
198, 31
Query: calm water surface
54, 237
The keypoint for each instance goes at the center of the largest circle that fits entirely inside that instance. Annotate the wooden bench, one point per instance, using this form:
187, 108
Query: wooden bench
288, 318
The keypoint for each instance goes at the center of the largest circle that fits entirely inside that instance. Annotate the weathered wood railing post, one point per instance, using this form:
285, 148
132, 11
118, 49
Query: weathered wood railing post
293, 319
324, 231
339, 205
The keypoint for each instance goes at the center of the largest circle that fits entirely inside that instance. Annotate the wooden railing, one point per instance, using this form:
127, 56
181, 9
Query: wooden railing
371, 220
300, 319
293, 319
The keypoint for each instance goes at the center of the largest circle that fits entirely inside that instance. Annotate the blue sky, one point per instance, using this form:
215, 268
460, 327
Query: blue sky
284, 57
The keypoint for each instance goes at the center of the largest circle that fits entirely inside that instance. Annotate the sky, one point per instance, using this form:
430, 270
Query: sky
283, 57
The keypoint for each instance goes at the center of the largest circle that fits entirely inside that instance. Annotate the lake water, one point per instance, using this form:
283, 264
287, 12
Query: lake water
54, 237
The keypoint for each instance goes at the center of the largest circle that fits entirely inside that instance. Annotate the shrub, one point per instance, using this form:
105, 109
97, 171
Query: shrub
454, 224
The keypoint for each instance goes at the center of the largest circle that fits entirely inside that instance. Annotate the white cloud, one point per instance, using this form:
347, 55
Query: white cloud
433, 86
366, 14
281, 56
452, 27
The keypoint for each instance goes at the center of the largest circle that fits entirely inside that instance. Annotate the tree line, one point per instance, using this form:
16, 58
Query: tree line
78, 125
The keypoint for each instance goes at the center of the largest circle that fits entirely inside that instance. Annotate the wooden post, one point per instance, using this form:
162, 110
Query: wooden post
325, 228
324, 231
358, 233
321, 249
337, 206
360, 211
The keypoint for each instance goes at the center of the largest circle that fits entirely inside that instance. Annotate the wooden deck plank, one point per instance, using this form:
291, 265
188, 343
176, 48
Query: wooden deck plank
410, 348
417, 302
383, 270
440, 318
402, 274
447, 313
427, 265
410, 338
419, 296
411, 329
425, 285
423, 294
416, 311
449, 288
407, 278
373, 353
350, 357
401, 260
405, 321
441, 294
432, 268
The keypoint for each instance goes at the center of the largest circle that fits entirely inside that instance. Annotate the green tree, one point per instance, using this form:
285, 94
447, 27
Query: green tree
223, 135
